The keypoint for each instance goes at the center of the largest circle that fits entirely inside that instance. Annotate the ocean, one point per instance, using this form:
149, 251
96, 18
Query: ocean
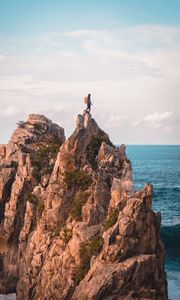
160, 165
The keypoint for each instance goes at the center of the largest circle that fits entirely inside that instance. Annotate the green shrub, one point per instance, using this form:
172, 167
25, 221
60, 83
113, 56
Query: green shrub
93, 147
77, 179
38, 126
68, 160
38, 204
76, 207
40, 159
112, 218
14, 164
96, 244
86, 252
40, 208
58, 229
67, 234
24, 148
84, 265
33, 223
21, 124
30, 197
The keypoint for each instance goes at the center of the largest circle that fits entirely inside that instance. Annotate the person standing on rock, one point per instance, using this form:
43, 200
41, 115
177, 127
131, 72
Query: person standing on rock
87, 100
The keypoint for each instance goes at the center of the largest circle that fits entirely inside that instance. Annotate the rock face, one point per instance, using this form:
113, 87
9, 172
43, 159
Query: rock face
26, 162
72, 225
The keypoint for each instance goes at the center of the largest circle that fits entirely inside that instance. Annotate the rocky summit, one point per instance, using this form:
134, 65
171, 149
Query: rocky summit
72, 225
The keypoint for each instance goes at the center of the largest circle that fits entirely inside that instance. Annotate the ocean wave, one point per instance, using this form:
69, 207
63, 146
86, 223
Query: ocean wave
171, 238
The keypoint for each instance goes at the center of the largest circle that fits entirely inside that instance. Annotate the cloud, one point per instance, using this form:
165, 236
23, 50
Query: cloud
10, 111
83, 33
164, 34
161, 34
74, 34
156, 120
96, 55
2, 57
130, 72
114, 121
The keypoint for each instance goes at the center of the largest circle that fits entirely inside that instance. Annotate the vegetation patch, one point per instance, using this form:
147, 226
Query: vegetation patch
68, 160
77, 179
33, 223
112, 218
129, 162
30, 197
24, 148
40, 207
40, 159
93, 147
67, 234
58, 229
21, 124
76, 207
86, 252
14, 164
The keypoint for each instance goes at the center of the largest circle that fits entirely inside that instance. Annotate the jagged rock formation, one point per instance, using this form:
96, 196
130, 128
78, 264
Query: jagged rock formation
25, 162
72, 225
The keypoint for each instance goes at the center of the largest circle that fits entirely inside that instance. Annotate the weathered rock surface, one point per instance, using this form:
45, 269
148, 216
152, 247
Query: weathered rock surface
20, 172
71, 224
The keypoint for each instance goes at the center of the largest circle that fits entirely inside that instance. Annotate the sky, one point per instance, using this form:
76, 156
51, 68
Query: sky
125, 53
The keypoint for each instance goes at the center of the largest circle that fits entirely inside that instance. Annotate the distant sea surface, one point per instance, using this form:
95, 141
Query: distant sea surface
160, 165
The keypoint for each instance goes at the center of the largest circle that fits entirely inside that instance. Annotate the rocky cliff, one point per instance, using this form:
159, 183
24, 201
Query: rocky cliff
71, 224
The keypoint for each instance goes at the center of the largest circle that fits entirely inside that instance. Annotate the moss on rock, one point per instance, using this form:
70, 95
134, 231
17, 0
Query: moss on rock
77, 179
86, 251
76, 207
93, 147
112, 218
41, 159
